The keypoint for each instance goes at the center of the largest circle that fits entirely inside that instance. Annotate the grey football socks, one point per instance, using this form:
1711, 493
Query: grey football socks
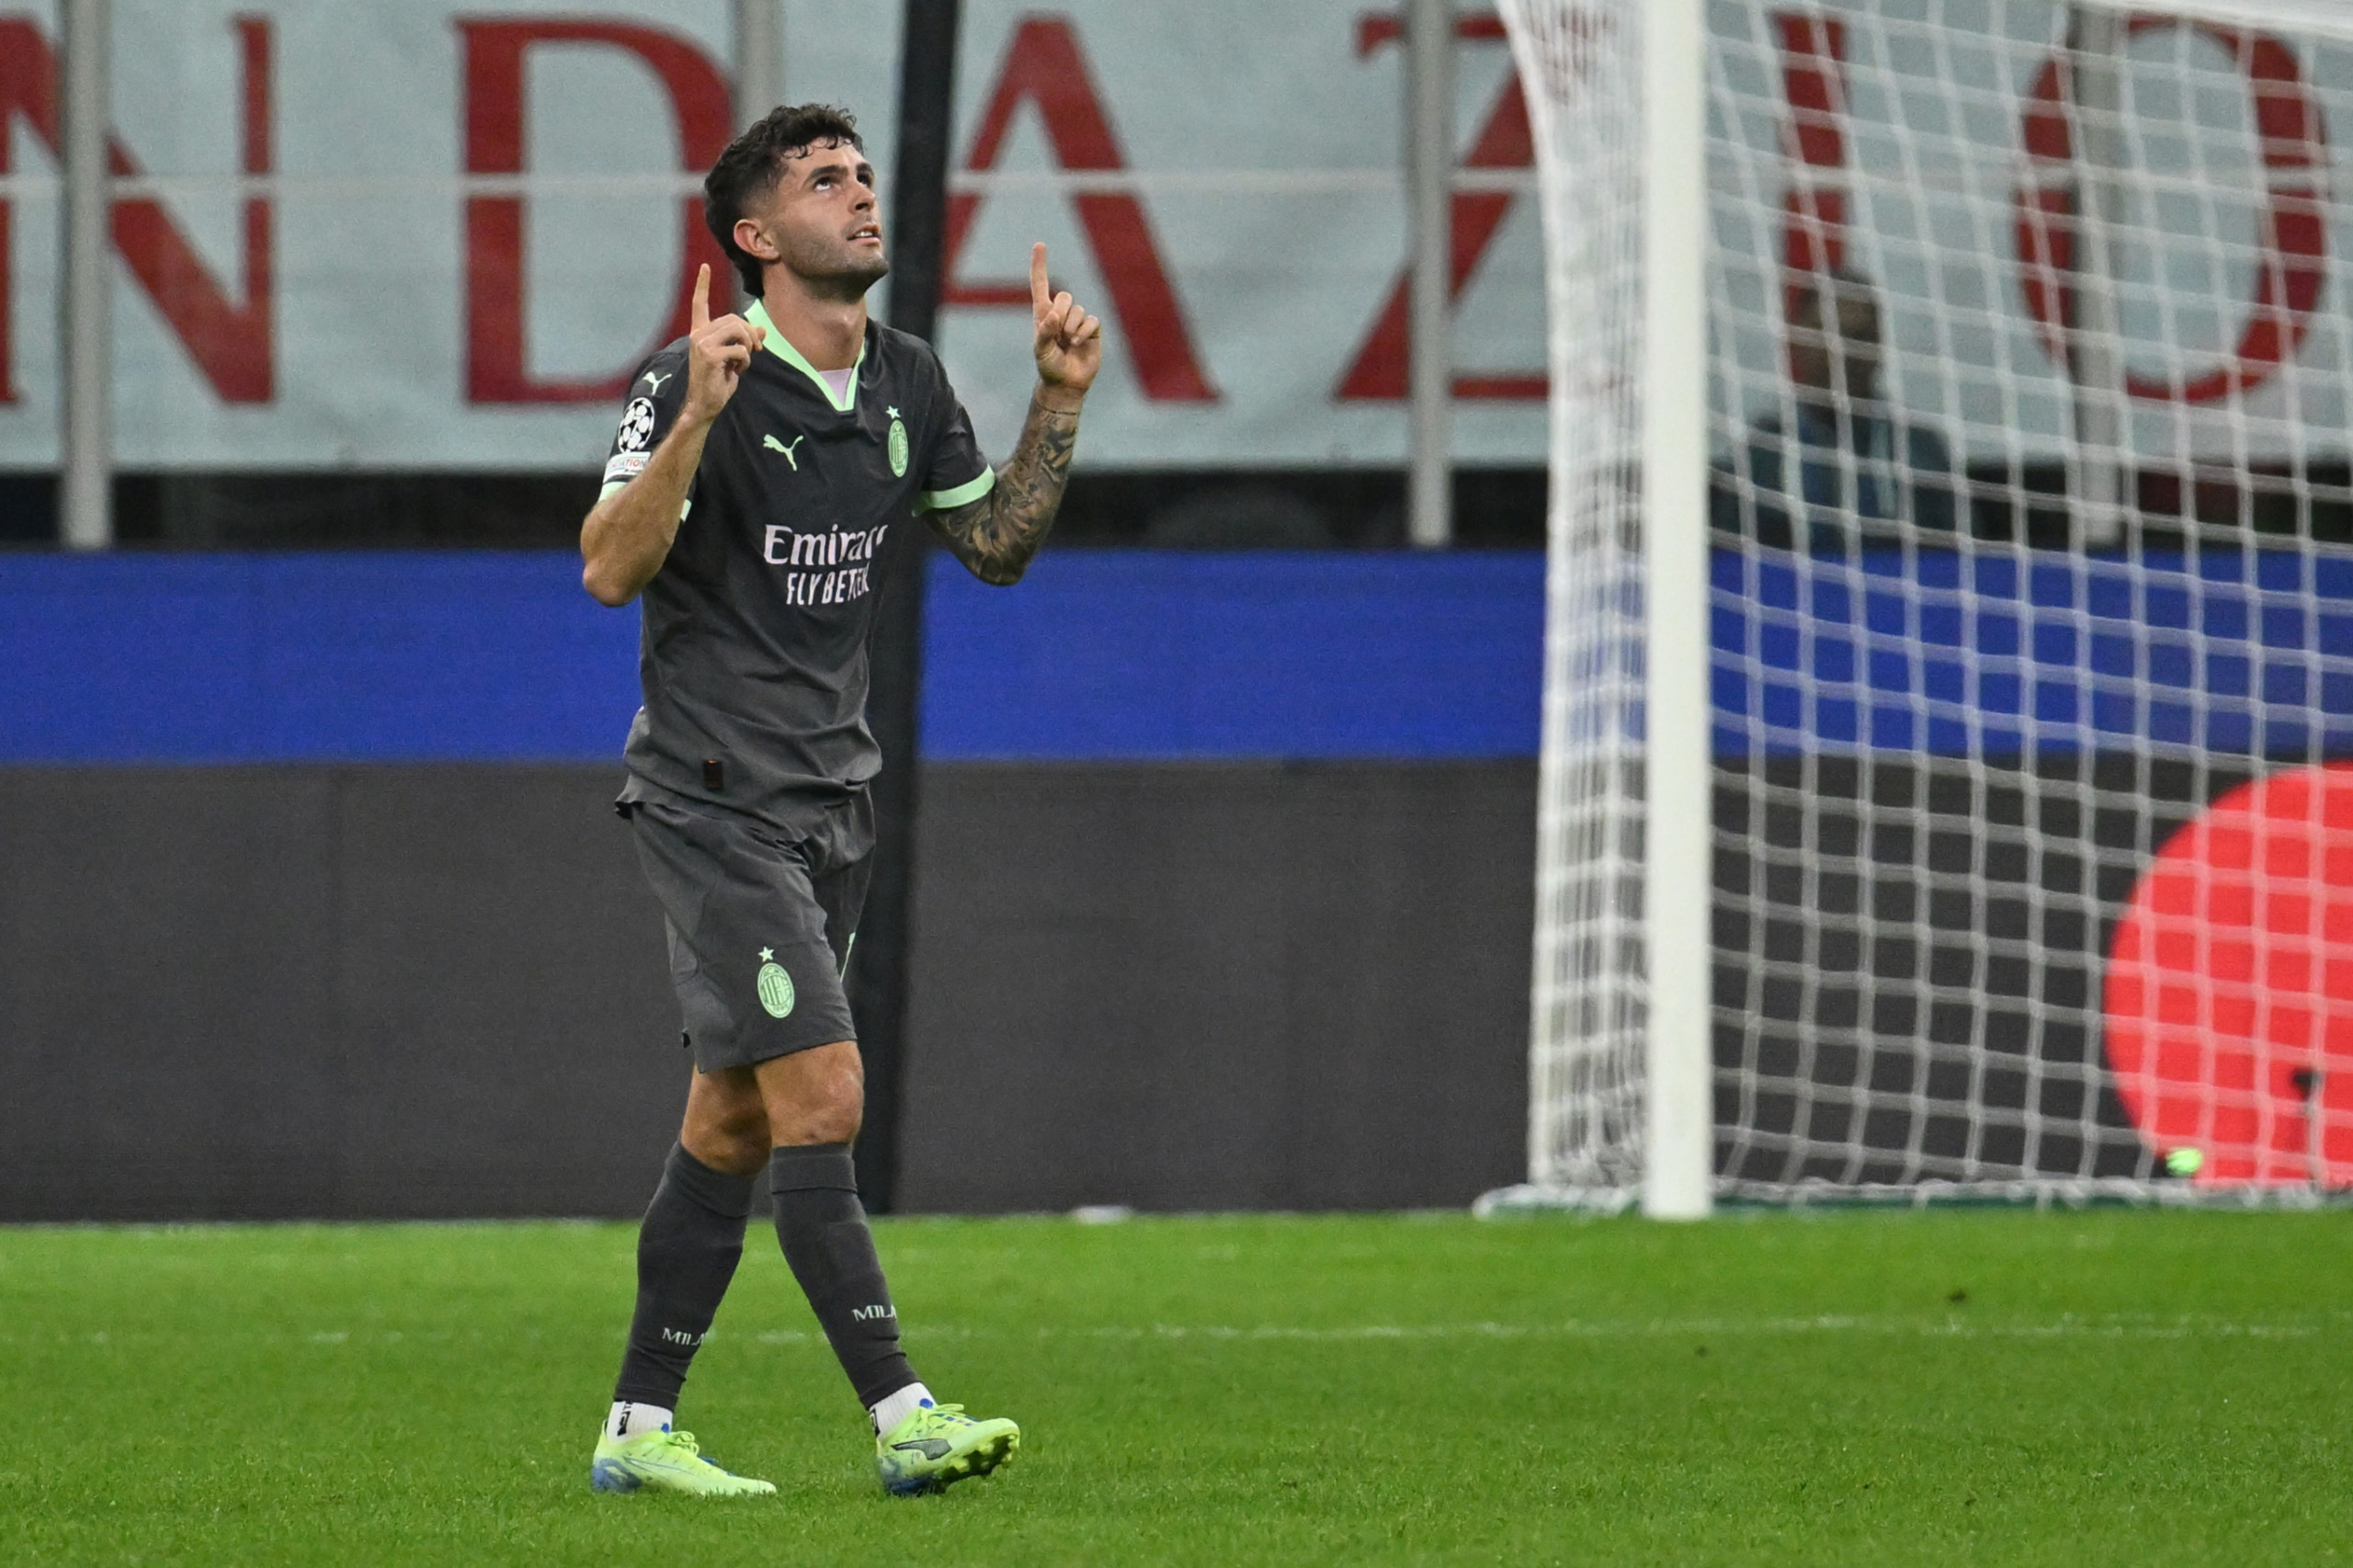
823, 1227
686, 1252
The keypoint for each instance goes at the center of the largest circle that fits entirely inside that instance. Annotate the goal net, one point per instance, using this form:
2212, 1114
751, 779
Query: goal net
2022, 637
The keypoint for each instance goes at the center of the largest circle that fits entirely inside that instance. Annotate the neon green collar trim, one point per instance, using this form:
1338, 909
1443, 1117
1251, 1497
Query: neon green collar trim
778, 345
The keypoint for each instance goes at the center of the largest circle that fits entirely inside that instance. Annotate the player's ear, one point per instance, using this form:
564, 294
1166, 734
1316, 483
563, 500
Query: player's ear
752, 240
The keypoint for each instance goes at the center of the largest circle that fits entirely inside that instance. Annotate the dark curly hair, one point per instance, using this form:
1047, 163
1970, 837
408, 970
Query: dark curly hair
752, 161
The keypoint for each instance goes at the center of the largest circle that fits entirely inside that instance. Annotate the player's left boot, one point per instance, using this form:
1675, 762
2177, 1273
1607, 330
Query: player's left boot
666, 1462
937, 1444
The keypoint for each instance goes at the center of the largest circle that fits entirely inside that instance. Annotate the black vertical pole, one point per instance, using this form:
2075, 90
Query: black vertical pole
878, 978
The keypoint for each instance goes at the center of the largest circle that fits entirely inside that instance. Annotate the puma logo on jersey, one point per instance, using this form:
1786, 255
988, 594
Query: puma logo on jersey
653, 382
772, 444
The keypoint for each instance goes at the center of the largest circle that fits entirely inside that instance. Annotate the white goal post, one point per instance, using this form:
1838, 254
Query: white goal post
1948, 647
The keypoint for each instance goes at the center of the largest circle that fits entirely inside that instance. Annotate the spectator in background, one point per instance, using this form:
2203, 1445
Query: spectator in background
1861, 476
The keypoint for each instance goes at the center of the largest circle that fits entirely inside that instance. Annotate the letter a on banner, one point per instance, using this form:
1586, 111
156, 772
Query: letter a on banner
496, 367
1044, 64
231, 343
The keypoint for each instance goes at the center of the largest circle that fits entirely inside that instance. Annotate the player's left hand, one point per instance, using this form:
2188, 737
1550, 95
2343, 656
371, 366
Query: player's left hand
1070, 342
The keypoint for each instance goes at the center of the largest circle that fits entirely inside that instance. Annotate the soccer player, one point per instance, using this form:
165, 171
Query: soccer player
756, 495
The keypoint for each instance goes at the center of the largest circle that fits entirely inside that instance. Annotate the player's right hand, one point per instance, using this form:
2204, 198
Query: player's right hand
717, 353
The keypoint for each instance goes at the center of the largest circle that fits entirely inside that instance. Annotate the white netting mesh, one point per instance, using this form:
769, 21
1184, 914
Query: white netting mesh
1586, 1074
2031, 402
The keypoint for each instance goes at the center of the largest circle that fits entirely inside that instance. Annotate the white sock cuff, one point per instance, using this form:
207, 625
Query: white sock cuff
897, 1408
631, 1420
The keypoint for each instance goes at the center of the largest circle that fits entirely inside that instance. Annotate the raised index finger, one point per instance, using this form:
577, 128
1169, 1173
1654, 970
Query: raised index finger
1038, 299
699, 317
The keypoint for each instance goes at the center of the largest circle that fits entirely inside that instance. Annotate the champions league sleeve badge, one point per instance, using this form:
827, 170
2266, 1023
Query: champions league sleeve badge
637, 424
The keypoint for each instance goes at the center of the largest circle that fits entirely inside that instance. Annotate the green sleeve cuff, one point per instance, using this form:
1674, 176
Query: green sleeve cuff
618, 486
963, 495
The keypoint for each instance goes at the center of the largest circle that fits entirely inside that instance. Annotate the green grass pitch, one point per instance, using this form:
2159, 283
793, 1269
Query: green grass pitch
1980, 1388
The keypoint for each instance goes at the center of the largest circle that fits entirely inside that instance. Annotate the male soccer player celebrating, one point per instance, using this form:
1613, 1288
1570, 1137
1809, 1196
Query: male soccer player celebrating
755, 496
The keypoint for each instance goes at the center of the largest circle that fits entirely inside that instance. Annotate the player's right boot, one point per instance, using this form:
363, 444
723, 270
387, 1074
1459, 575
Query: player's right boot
666, 1462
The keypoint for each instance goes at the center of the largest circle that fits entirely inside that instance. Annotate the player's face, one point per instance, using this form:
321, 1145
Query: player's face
825, 221
1819, 351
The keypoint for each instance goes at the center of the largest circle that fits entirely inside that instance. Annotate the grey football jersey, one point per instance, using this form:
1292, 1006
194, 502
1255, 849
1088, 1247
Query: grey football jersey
753, 652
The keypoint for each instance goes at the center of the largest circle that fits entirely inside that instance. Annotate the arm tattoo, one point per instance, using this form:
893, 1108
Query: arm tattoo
998, 535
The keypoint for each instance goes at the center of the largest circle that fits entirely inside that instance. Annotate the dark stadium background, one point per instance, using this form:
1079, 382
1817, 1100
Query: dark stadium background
1221, 886
316, 903
1222, 896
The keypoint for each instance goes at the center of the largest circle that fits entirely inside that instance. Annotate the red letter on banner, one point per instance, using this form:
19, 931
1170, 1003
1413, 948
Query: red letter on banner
2292, 235
1043, 63
1814, 80
1504, 141
497, 369
231, 343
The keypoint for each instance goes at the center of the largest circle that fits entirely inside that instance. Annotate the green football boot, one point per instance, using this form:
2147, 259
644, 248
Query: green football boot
666, 1462
938, 1444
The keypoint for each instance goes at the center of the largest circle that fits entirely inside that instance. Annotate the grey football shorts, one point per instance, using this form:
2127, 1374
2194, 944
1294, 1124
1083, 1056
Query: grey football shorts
760, 925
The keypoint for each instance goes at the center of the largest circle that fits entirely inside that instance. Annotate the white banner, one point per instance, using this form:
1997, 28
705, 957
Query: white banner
429, 235
408, 234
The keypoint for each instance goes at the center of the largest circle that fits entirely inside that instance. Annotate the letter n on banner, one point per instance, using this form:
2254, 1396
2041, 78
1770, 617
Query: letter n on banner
1044, 64
232, 344
497, 369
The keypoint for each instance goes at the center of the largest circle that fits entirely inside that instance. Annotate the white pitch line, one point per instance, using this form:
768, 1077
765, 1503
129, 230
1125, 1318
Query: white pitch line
2128, 1328
2116, 1326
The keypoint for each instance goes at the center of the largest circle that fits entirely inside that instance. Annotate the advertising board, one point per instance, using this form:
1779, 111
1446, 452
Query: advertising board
434, 236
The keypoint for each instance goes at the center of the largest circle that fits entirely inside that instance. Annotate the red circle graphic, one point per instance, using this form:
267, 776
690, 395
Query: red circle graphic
2228, 994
